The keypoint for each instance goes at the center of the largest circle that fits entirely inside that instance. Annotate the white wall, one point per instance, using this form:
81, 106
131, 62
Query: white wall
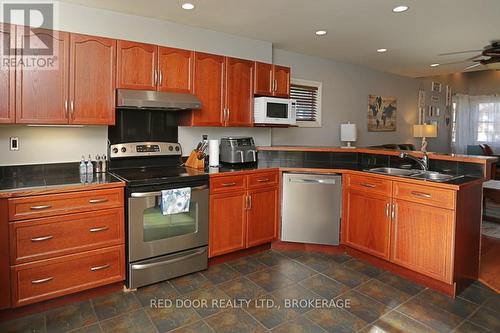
345, 98
50, 145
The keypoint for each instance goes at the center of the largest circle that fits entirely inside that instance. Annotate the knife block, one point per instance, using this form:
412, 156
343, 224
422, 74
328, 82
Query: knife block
194, 162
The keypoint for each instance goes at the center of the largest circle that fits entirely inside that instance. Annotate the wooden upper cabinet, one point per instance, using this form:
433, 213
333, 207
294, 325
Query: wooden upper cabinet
7, 75
262, 218
42, 93
263, 79
208, 86
175, 70
136, 63
366, 222
281, 81
422, 239
92, 80
239, 92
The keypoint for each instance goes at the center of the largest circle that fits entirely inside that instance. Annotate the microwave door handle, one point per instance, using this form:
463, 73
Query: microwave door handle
157, 193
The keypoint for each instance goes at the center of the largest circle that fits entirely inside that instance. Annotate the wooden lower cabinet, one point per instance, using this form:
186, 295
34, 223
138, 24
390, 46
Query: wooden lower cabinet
262, 216
242, 213
367, 222
227, 223
422, 239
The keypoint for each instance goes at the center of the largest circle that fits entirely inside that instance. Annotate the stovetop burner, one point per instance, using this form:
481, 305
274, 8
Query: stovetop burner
151, 163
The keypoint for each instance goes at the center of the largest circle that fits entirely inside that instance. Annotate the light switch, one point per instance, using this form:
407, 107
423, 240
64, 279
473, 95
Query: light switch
14, 143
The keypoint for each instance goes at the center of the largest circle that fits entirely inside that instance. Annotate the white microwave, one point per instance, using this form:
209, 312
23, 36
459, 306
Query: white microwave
274, 111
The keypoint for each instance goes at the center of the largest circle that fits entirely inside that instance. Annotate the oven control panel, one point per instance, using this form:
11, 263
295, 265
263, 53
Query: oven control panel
137, 149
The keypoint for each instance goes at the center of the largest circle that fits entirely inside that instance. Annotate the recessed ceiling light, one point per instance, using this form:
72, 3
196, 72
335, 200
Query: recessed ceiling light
321, 32
400, 9
381, 50
434, 65
187, 6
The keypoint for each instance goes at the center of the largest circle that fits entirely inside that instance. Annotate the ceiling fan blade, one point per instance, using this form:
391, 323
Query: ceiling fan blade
472, 66
454, 62
459, 52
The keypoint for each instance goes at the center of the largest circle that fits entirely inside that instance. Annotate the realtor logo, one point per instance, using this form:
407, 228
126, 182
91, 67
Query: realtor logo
35, 50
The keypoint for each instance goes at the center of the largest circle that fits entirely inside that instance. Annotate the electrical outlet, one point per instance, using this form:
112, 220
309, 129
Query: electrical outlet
14, 143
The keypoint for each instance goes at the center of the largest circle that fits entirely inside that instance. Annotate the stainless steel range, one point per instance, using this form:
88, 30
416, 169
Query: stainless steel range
160, 246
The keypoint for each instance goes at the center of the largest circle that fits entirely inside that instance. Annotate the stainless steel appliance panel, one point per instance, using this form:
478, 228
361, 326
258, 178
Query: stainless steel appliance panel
311, 208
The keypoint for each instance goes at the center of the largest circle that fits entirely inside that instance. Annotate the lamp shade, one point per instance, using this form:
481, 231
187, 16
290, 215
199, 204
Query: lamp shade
348, 132
424, 131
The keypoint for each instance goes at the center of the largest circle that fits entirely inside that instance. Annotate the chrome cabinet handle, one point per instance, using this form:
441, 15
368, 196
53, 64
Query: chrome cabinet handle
155, 77
41, 207
387, 209
228, 114
264, 180
95, 201
42, 280
98, 268
275, 85
421, 194
161, 77
228, 184
393, 212
66, 107
368, 185
98, 229
72, 106
41, 239
249, 202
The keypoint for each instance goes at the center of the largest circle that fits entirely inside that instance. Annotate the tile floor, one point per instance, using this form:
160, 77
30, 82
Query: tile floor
379, 302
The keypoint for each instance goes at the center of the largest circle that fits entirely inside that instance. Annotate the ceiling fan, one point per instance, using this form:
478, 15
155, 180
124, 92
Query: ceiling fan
489, 57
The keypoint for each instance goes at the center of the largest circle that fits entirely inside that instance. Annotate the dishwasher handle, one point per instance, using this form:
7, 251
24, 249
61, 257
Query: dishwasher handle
327, 181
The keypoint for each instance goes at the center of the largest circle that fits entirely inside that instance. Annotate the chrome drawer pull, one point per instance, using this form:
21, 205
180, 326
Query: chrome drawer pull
265, 180
41, 207
421, 194
94, 201
368, 185
42, 280
229, 184
40, 239
98, 268
98, 229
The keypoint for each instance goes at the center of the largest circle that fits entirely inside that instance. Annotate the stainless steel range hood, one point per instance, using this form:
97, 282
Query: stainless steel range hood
148, 99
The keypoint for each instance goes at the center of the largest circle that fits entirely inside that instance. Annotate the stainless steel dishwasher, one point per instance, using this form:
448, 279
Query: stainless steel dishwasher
311, 208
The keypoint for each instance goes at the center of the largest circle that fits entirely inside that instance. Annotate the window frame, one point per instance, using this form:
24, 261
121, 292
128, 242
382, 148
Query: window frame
319, 86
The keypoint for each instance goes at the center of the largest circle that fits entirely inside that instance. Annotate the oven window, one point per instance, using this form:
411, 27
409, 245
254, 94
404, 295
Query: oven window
158, 226
277, 110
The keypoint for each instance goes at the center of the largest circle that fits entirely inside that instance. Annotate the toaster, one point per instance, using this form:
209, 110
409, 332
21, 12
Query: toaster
236, 150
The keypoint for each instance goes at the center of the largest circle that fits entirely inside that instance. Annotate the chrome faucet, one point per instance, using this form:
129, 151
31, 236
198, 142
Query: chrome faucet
422, 162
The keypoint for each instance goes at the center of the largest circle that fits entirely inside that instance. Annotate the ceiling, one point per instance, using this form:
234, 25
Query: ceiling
356, 28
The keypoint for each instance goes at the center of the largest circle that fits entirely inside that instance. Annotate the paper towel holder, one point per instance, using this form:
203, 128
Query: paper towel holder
348, 134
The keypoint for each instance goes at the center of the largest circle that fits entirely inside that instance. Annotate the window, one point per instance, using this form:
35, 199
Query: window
308, 97
488, 124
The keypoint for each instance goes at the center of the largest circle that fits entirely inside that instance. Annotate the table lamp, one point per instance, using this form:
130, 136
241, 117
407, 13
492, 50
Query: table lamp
424, 131
348, 134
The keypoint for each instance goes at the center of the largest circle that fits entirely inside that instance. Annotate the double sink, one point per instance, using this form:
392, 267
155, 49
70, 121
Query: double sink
414, 173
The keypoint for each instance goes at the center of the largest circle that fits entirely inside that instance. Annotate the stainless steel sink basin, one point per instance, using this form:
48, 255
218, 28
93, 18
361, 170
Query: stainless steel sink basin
396, 171
435, 176
416, 174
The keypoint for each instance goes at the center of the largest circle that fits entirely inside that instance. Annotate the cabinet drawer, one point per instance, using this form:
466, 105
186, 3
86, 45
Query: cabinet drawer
55, 236
370, 184
226, 184
51, 278
425, 194
263, 179
63, 203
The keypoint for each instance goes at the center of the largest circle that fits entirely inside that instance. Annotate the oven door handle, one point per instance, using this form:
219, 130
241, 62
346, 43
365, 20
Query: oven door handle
154, 194
171, 261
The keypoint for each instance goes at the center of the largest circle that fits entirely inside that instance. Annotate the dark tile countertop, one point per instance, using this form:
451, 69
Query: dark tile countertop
49, 176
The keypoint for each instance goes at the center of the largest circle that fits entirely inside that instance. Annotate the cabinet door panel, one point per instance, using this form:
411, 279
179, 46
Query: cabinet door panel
92, 80
239, 92
263, 78
366, 222
209, 88
282, 81
262, 218
175, 69
7, 75
422, 239
42, 93
227, 223
136, 63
